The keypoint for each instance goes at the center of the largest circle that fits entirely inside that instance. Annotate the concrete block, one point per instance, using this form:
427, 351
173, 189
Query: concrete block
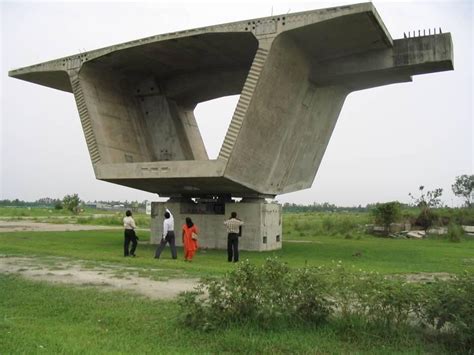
262, 228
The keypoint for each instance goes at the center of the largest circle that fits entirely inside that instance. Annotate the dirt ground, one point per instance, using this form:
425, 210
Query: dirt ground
106, 277
25, 225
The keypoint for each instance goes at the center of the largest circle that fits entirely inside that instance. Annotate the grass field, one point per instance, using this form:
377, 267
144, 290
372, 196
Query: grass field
42, 212
87, 216
374, 254
38, 317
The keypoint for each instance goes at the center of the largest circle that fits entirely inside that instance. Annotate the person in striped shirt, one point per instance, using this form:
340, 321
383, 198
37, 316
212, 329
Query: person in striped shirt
129, 234
233, 226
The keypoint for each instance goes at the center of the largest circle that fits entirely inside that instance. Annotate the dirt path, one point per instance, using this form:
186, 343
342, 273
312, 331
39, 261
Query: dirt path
106, 277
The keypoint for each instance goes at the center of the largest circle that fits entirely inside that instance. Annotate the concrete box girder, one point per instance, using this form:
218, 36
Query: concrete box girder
293, 73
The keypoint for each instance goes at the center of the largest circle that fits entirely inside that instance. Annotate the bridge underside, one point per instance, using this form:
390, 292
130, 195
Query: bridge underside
136, 100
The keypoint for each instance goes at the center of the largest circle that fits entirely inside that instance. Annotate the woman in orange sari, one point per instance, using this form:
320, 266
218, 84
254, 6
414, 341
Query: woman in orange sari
190, 244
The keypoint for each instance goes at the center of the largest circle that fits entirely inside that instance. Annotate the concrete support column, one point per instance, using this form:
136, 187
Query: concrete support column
262, 229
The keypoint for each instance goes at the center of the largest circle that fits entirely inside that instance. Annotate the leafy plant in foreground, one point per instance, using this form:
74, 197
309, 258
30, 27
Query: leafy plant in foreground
261, 294
274, 294
449, 305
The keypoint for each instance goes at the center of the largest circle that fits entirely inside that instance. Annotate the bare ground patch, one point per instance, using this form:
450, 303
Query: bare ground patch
106, 277
428, 276
24, 225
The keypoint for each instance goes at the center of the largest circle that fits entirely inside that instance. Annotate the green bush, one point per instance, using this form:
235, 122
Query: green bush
372, 297
274, 294
328, 224
264, 295
387, 213
427, 218
455, 233
450, 305
390, 302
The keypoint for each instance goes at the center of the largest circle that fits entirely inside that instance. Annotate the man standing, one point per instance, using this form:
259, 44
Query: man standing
129, 234
233, 225
168, 236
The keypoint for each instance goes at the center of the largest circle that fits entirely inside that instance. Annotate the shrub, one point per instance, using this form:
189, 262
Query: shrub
427, 201
450, 304
347, 225
386, 214
264, 295
309, 296
328, 224
273, 293
391, 302
71, 203
426, 218
455, 233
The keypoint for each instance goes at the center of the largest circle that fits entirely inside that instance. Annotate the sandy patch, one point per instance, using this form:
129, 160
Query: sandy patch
105, 277
428, 277
18, 226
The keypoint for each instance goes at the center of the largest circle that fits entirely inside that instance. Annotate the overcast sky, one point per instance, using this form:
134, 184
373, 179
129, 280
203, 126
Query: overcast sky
387, 141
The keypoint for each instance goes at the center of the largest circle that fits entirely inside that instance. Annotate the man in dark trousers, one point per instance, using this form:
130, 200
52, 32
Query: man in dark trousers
168, 236
233, 226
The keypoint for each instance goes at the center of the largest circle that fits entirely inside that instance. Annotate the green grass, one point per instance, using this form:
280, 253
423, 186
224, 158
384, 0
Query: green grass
373, 254
89, 216
42, 212
141, 220
42, 318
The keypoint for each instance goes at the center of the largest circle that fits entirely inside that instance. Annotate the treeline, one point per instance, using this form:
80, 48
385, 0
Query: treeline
42, 202
48, 202
327, 207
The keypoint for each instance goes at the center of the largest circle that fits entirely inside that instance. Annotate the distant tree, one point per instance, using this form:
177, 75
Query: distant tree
463, 186
58, 205
71, 203
386, 214
426, 202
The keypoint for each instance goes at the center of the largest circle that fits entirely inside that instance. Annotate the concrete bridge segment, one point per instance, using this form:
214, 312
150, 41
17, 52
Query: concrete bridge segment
293, 73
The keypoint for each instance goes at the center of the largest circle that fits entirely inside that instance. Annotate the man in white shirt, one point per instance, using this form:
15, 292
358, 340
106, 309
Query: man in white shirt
233, 226
168, 236
129, 234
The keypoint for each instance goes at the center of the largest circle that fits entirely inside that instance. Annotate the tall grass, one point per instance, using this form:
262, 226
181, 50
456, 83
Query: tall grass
307, 225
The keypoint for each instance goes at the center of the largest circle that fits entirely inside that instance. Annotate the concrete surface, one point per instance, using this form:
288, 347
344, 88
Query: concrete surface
262, 228
293, 73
